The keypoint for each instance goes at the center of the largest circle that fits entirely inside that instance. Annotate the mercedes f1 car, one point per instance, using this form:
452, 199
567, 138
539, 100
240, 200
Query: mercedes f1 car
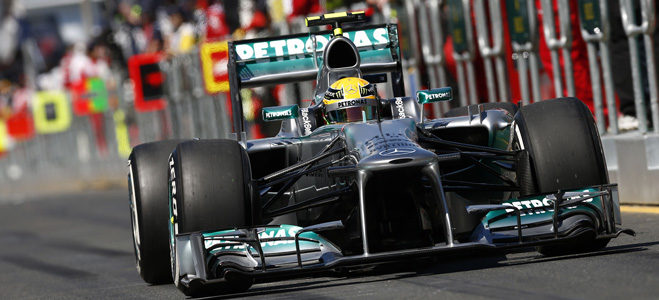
338, 189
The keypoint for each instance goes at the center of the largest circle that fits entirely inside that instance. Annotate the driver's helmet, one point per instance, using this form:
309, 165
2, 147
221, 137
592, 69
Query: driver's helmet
350, 99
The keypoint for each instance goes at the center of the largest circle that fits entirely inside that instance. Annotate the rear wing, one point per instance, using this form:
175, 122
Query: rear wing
292, 58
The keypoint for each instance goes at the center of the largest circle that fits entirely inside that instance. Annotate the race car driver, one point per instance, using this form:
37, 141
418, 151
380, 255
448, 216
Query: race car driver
350, 99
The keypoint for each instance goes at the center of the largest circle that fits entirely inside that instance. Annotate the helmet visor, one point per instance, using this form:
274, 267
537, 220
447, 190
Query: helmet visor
352, 114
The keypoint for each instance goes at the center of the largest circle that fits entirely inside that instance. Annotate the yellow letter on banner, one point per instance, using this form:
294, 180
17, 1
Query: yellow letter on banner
4, 137
214, 59
121, 131
51, 112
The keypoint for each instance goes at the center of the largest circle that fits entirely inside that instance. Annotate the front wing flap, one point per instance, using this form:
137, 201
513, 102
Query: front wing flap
533, 218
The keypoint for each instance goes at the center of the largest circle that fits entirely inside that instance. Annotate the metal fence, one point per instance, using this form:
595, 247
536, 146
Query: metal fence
486, 47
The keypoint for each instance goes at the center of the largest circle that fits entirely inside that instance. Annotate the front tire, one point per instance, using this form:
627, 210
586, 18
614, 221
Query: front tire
147, 187
563, 144
565, 153
210, 189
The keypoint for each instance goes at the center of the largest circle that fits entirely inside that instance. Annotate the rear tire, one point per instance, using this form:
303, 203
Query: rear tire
565, 152
147, 187
210, 190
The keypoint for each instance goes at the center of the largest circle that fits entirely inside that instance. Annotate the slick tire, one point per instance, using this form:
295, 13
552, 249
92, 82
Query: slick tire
563, 144
210, 189
564, 151
147, 187
464, 110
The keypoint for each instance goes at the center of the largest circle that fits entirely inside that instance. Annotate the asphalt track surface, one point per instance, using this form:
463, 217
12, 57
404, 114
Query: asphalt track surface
79, 247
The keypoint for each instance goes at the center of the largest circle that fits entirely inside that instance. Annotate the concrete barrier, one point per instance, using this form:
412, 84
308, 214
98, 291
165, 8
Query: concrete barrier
633, 162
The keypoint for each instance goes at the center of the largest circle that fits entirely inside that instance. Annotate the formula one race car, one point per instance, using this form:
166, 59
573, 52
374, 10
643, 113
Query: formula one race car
355, 180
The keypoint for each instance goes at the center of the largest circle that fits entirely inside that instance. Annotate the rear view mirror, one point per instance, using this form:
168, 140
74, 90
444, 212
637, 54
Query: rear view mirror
434, 95
275, 113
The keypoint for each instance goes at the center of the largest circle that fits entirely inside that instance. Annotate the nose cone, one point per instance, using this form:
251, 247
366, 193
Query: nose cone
397, 157
388, 145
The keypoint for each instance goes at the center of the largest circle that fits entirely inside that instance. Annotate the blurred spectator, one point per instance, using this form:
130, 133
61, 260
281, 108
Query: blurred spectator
73, 64
20, 99
624, 85
9, 30
82, 62
216, 28
5, 99
379, 4
182, 38
99, 60
129, 34
303, 8
11, 58
252, 18
152, 33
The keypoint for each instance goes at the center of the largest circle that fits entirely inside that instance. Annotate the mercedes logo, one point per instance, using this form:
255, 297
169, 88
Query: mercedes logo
396, 151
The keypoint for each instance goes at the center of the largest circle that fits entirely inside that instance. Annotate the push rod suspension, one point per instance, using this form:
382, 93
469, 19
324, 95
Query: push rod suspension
323, 154
294, 179
313, 202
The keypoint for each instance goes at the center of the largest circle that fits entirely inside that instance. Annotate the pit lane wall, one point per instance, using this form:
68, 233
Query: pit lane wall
633, 162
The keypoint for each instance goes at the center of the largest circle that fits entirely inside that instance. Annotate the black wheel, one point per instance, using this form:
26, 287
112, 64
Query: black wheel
565, 152
210, 189
464, 110
147, 187
563, 144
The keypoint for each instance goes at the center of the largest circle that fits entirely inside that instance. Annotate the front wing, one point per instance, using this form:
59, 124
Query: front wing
207, 258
